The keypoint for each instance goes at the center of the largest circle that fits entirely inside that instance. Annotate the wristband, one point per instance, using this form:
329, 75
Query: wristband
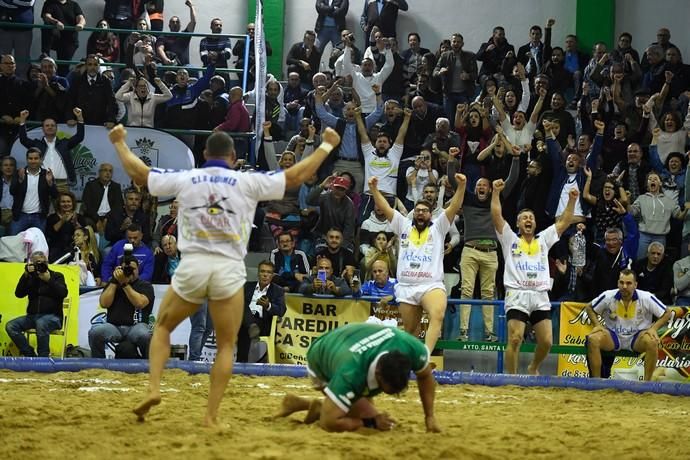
327, 146
369, 422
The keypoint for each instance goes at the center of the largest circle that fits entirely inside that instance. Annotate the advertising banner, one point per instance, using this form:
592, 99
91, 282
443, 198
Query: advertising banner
156, 148
307, 318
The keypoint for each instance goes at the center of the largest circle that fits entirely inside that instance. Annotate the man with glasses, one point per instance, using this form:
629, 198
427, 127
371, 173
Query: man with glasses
420, 260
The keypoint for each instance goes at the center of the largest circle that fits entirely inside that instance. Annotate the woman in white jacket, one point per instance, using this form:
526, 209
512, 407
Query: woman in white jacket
141, 101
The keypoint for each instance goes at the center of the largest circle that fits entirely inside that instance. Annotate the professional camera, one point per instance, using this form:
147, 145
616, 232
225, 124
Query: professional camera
127, 270
41, 267
128, 249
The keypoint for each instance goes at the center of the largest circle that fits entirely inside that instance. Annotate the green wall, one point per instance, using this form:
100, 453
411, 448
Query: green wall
274, 29
595, 21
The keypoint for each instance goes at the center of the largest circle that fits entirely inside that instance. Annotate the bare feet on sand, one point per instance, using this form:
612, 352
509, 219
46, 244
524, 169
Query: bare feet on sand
314, 412
292, 404
531, 370
142, 409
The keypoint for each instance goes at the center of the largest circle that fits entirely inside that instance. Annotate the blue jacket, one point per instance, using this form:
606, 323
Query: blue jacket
560, 175
114, 258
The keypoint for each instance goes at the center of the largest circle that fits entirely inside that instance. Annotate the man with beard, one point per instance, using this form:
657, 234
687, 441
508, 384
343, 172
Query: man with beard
562, 116
526, 276
381, 160
479, 254
420, 260
534, 190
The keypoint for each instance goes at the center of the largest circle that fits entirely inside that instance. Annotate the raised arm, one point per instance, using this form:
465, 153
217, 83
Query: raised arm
379, 199
133, 165
303, 170
361, 129
496, 208
589, 198
537, 107
458, 197
567, 217
402, 132
269, 148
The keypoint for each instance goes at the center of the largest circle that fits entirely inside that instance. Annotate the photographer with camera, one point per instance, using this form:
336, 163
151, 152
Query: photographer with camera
133, 238
129, 301
46, 290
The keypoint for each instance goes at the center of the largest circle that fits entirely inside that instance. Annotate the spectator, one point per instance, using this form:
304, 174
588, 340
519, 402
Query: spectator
166, 260
129, 301
238, 50
335, 208
535, 53
141, 252
237, 116
51, 95
141, 102
13, 40
46, 290
325, 282
167, 225
15, 96
457, 69
380, 285
215, 50
555, 69
334, 248
31, 194
105, 44
663, 40
636, 170
304, 58
154, 8
84, 240
616, 255
174, 49
381, 249
609, 205
574, 61
681, 280
493, 52
60, 225
291, 265
119, 219
264, 300
56, 153
562, 116
382, 14
8, 170
61, 13
93, 94
371, 227
330, 22
623, 49
294, 99
100, 196
412, 57
654, 273
653, 211
364, 78
339, 49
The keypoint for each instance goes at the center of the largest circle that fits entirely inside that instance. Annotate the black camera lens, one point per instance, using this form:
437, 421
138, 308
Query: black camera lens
41, 267
127, 270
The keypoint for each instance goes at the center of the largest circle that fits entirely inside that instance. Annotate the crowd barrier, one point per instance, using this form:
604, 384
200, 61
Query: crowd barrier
309, 317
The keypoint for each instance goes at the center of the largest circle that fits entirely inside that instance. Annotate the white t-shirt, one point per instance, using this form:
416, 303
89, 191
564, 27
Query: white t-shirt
570, 183
527, 265
53, 161
519, 137
216, 206
32, 203
385, 168
420, 259
422, 181
627, 322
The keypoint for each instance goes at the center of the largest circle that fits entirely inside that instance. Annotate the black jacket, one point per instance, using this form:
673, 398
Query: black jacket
276, 297
45, 192
45, 297
338, 11
63, 146
97, 101
93, 194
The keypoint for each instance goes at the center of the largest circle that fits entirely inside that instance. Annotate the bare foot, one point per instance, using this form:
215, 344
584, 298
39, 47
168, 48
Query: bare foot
210, 422
142, 409
314, 412
292, 404
531, 370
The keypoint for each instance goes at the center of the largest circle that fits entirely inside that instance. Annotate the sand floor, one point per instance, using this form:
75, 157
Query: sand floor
88, 415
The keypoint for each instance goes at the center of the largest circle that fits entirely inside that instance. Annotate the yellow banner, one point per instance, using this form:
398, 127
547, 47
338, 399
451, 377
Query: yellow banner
673, 360
12, 307
307, 318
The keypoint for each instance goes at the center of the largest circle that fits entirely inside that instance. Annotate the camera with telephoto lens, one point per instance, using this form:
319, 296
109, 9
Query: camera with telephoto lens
127, 270
128, 249
39, 267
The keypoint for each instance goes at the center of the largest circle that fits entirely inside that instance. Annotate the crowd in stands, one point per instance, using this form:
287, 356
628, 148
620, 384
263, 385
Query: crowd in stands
545, 118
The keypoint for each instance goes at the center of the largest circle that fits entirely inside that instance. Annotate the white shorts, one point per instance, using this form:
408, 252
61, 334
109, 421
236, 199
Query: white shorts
624, 342
412, 293
527, 301
207, 276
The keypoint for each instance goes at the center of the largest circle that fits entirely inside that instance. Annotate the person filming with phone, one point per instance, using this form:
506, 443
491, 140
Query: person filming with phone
46, 290
324, 282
